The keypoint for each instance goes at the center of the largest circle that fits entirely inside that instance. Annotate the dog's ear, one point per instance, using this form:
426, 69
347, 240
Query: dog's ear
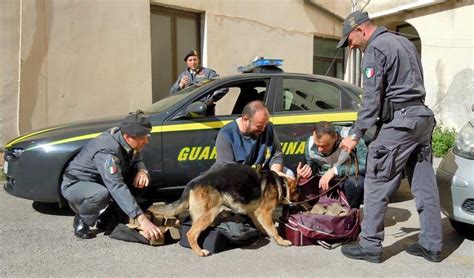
292, 187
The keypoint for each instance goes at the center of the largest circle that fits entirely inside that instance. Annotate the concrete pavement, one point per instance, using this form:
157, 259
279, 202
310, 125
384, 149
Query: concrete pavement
37, 240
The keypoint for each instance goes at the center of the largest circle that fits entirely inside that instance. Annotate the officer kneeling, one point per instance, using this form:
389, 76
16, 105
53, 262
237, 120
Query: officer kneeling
97, 177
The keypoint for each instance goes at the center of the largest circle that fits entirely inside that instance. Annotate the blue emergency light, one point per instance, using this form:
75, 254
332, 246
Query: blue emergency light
261, 62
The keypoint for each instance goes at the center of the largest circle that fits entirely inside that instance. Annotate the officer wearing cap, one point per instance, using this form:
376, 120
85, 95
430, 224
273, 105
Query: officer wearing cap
394, 101
193, 74
101, 173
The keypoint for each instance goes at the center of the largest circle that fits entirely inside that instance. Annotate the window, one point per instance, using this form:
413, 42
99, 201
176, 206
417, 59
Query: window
230, 99
327, 59
307, 95
173, 34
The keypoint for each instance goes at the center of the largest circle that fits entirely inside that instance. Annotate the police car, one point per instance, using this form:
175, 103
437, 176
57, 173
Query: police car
185, 126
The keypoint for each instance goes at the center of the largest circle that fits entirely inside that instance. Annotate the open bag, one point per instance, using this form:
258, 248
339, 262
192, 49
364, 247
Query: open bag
325, 218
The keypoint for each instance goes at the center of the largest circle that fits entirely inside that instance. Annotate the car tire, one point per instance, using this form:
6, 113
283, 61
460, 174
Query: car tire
463, 228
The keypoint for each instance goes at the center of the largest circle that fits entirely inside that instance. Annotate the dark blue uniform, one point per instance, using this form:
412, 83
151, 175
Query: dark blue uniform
392, 70
99, 173
193, 77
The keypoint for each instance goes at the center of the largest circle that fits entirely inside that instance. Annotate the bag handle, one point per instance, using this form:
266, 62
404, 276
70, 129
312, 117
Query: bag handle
329, 246
292, 204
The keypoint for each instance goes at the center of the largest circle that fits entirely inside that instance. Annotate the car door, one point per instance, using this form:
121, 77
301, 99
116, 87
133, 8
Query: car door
188, 144
302, 101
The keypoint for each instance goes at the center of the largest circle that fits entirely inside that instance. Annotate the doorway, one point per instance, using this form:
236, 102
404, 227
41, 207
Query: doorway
173, 34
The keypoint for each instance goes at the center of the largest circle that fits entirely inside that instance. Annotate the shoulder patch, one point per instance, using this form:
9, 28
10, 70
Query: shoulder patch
111, 165
369, 72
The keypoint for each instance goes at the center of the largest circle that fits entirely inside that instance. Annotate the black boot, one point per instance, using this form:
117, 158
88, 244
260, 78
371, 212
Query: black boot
107, 220
81, 229
355, 251
418, 250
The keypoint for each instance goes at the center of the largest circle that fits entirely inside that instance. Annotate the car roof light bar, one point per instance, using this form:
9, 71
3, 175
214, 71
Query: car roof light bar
259, 62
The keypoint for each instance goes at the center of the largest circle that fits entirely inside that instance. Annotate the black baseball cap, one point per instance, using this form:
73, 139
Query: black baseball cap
135, 125
190, 53
351, 22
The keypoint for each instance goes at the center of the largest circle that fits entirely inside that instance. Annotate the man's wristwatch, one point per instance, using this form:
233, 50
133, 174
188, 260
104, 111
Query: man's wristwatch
354, 137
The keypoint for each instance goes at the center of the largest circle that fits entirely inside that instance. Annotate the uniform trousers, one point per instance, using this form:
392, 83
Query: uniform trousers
405, 143
88, 199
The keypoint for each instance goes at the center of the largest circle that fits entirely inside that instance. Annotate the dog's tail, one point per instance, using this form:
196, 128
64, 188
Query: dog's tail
175, 208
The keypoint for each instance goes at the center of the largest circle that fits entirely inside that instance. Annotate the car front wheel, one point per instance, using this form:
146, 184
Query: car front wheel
463, 228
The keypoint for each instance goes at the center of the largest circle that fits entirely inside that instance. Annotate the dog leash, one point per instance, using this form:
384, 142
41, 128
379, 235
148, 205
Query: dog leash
353, 158
292, 204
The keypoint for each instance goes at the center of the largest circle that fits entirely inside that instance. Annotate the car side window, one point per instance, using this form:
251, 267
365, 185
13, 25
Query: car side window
231, 99
309, 95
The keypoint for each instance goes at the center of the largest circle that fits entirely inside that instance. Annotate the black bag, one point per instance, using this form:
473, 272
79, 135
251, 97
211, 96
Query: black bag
123, 232
232, 231
131, 231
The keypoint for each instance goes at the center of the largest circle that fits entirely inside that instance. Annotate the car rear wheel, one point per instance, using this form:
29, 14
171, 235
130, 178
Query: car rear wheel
463, 228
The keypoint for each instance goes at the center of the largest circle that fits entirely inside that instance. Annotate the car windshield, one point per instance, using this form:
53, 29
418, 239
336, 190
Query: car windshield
167, 102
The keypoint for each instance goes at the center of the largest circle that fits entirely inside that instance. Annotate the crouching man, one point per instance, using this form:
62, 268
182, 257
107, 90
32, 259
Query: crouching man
98, 174
326, 161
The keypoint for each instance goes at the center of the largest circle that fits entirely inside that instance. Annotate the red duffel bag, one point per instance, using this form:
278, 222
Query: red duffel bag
329, 221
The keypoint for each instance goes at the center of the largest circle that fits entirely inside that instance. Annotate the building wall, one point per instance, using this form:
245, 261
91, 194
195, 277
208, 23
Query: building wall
80, 60
65, 61
9, 68
448, 63
238, 30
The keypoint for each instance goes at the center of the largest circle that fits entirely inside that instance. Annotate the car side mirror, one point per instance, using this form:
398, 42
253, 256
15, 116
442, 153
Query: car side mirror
196, 109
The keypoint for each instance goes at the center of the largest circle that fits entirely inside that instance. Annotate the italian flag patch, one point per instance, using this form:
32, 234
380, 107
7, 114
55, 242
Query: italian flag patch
113, 170
111, 165
369, 72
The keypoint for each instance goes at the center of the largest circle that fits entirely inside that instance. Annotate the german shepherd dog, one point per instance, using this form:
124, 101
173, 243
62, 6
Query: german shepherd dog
239, 187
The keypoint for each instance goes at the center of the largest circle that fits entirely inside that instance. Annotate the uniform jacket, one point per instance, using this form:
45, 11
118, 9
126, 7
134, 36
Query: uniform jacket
320, 163
107, 160
391, 69
201, 74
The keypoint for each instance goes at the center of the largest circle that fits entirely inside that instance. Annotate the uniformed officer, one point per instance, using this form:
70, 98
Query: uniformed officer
99, 174
193, 74
329, 164
394, 100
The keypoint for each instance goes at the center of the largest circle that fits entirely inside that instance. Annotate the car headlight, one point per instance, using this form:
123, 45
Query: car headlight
13, 153
464, 144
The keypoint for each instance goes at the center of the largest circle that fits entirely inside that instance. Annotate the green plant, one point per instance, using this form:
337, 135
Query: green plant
443, 140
